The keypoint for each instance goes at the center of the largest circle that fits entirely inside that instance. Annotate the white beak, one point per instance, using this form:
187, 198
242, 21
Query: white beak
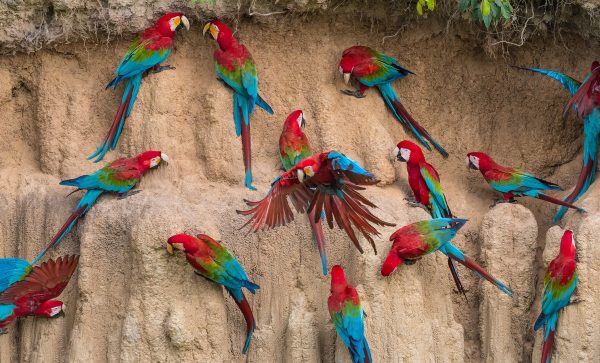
186, 22
300, 174
396, 152
346, 78
164, 157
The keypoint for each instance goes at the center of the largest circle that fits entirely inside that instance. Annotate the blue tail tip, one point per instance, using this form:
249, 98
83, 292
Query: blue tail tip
248, 180
247, 343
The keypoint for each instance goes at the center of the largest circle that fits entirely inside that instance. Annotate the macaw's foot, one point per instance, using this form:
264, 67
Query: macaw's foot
410, 199
355, 93
3, 331
575, 301
157, 69
418, 205
411, 262
128, 194
500, 201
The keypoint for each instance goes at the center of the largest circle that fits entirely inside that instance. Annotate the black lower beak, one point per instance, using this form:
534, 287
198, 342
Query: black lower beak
400, 158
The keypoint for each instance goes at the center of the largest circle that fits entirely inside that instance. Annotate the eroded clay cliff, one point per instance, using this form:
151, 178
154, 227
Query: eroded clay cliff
132, 302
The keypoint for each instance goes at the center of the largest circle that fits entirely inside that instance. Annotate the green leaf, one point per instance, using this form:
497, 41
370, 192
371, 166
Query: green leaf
430, 5
487, 21
463, 5
506, 12
485, 8
420, 8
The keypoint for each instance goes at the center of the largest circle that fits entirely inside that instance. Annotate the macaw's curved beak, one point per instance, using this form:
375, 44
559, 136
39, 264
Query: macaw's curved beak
184, 23
470, 164
62, 314
303, 123
170, 248
398, 155
164, 157
206, 28
346, 78
300, 174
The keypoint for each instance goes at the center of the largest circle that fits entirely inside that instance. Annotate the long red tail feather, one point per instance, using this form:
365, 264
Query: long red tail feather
317, 230
550, 199
547, 348
250, 323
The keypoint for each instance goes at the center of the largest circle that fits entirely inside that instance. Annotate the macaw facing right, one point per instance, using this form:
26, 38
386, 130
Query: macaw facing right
559, 283
294, 147
585, 98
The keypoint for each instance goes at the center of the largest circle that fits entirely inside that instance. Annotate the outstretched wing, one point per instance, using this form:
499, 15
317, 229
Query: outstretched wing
45, 282
274, 209
343, 166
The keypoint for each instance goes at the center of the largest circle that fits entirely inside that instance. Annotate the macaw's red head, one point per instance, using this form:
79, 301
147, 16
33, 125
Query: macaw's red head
151, 159
338, 279
351, 58
479, 161
170, 23
183, 242
51, 309
595, 66
295, 120
219, 31
409, 152
567, 245
306, 169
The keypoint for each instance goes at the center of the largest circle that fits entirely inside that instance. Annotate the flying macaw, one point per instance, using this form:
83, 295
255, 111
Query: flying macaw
374, 69
416, 240
559, 283
328, 182
585, 98
33, 294
347, 316
294, 147
212, 261
424, 182
235, 67
146, 53
512, 182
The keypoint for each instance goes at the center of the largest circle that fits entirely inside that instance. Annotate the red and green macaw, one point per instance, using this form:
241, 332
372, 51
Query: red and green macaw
585, 99
214, 262
424, 182
512, 182
120, 176
33, 294
146, 53
347, 316
325, 182
235, 67
294, 147
374, 69
416, 240
559, 283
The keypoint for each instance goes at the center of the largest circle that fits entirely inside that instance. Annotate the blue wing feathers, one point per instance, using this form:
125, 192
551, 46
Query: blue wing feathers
11, 271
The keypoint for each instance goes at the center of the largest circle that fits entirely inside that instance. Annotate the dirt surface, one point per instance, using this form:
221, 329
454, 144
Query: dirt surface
132, 302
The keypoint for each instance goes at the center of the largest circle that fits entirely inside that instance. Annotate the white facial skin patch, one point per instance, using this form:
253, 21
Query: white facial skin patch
300, 120
474, 161
405, 153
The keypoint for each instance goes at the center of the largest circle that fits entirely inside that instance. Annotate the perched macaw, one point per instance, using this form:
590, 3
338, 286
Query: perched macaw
559, 283
294, 147
328, 182
212, 261
235, 67
374, 69
146, 53
33, 294
416, 240
424, 182
585, 98
512, 182
347, 316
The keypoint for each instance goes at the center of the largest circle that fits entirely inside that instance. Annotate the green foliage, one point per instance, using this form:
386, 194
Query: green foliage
421, 4
486, 11
202, 2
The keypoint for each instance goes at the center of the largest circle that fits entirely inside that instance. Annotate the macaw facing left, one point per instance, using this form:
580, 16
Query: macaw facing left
235, 67
424, 182
585, 98
512, 182
294, 147
559, 283
416, 240
146, 53
214, 262
375, 69
328, 182
33, 294
347, 316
